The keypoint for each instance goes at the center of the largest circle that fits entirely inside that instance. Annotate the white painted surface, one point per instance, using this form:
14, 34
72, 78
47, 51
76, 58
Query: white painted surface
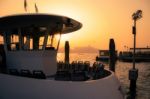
12, 87
33, 60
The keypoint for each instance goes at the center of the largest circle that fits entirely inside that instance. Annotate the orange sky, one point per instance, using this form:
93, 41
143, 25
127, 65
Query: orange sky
101, 19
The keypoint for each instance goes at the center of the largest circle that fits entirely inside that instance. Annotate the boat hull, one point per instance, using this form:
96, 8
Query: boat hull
13, 87
105, 59
137, 59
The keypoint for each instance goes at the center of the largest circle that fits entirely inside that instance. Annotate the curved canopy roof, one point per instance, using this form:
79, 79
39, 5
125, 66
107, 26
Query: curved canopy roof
54, 23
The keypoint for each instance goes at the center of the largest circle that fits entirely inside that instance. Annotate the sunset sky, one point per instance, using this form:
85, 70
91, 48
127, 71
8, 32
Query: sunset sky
101, 19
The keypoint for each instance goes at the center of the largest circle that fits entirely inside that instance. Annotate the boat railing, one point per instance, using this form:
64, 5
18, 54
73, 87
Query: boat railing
76, 71
80, 71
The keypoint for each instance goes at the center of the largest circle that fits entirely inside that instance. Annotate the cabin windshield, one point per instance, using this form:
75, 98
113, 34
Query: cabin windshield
37, 38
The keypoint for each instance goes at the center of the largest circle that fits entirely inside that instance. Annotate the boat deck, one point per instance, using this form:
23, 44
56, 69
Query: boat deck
64, 75
76, 71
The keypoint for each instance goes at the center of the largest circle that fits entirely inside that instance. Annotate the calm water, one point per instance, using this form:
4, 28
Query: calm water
122, 68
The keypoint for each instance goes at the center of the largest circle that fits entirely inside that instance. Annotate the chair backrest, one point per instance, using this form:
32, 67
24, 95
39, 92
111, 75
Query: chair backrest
39, 74
13, 72
25, 73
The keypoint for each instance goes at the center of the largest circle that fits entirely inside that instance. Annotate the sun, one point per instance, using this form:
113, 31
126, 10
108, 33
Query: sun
65, 37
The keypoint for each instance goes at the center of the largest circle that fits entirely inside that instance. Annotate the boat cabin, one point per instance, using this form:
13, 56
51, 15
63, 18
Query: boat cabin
31, 42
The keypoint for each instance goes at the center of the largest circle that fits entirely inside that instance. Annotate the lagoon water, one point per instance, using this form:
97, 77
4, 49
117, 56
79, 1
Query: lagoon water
122, 68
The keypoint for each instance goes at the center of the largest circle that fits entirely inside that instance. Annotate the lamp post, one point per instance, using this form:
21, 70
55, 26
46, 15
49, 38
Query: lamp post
133, 73
135, 16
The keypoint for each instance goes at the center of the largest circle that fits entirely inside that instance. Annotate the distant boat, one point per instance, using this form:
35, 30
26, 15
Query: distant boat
141, 55
103, 55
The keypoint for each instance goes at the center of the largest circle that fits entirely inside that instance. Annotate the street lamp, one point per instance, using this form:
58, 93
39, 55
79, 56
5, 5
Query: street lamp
135, 16
133, 73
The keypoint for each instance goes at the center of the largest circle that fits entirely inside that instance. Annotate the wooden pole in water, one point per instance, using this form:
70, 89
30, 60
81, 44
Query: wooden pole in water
112, 55
67, 49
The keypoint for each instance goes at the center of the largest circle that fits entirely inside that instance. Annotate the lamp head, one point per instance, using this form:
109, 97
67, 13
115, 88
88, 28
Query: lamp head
137, 15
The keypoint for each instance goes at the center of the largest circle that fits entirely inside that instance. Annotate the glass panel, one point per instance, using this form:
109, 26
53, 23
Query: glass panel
52, 42
12, 40
26, 43
1, 40
31, 39
41, 43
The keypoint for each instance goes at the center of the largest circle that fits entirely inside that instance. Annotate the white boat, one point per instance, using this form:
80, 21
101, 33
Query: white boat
30, 69
103, 55
141, 55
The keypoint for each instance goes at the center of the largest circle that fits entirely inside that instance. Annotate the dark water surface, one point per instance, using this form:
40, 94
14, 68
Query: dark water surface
122, 68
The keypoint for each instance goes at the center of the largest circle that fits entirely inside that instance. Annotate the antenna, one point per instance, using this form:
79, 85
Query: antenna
25, 5
36, 8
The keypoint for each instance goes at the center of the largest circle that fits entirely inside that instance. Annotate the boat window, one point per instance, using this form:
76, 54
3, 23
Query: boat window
16, 40
41, 43
12, 41
31, 38
51, 42
27, 43
1, 40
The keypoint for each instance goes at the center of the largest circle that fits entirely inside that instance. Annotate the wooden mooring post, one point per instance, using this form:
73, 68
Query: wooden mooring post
112, 55
67, 50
